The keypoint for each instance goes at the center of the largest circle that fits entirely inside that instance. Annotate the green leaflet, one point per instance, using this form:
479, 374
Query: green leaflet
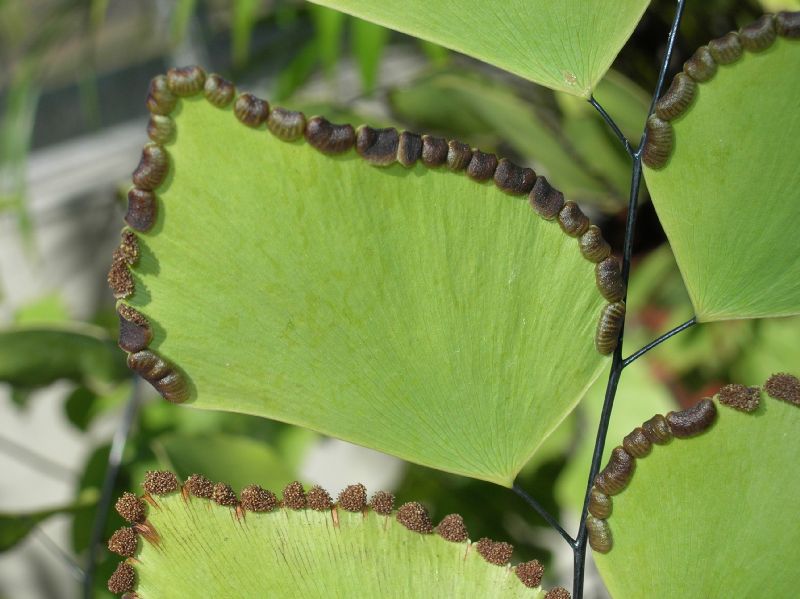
411, 310
728, 196
712, 516
566, 45
190, 546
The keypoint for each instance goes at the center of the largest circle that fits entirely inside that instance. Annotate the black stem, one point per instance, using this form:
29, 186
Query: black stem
658, 341
611, 123
112, 471
617, 364
36, 461
539, 508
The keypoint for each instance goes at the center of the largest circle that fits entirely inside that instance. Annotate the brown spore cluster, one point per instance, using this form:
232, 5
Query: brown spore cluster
530, 573
224, 495
353, 498
199, 486
160, 482
558, 593
131, 508
494, 552
256, 499
453, 529
415, 517
739, 397
785, 387
319, 499
294, 496
123, 579
124, 542
382, 503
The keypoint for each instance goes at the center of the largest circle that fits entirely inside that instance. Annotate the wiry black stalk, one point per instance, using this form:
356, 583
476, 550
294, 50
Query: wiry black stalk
617, 363
613, 125
112, 471
658, 341
539, 508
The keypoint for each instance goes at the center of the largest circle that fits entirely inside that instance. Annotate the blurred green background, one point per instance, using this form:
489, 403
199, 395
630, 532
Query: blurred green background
73, 75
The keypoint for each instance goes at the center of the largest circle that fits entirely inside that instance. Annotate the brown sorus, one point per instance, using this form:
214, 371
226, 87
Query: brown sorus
787, 24
557, 593
257, 499
153, 167
119, 278
608, 278
434, 151
186, 81
199, 486
250, 110
784, 386
319, 499
572, 220
512, 178
701, 66
160, 128
161, 374
600, 504
609, 325
637, 444
453, 529
328, 137
739, 397
600, 538
660, 139
288, 125
377, 146
123, 579
142, 209
494, 552
160, 482
353, 498
129, 247
692, 421
593, 246
482, 166
160, 100
294, 496
415, 517
382, 503
134, 330
758, 35
677, 98
546, 200
409, 148
458, 155
124, 542
657, 430
530, 573
218, 91
615, 477
224, 495
726, 49
131, 508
